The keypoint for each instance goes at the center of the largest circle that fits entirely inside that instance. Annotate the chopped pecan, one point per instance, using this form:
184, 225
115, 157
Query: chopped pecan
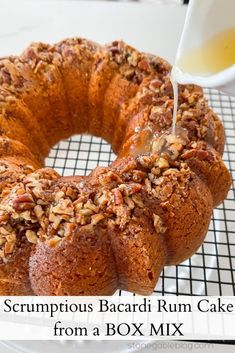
59, 195
143, 65
52, 242
2, 241
78, 206
161, 116
118, 200
156, 171
85, 212
6, 229
133, 59
110, 177
102, 200
188, 154
69, 228
95, 219
148, 185
174, 140
158, 144
31, 236
11, 238
145, 161
3, 231
138, 176
26, 215
9, 247
71, 193
170, 171
91, 206
38, 211
153, 178
114, 176
129, 202
23, 202
203, 155
155, 84
114, 50
130, 188
55, 220
166, 88
4, 217
81, 219
20, 191
64, 206
200, 154
137, 200
162, 163
146, 99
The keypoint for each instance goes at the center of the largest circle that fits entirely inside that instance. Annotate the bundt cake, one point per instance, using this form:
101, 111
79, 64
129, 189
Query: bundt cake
119, 226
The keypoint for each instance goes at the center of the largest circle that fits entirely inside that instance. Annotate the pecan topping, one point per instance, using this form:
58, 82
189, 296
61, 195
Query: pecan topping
95, 219
53, 242
143, 65
118, 200
155, 84
23, 202
130, 189
31, 236
197, 153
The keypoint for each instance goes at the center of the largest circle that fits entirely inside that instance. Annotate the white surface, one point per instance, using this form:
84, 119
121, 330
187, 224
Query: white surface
149, 27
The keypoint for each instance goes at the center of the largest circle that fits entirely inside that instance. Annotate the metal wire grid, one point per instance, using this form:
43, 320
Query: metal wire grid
211, 271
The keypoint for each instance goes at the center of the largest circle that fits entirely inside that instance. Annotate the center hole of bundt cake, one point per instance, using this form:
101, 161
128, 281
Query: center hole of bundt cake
79, 155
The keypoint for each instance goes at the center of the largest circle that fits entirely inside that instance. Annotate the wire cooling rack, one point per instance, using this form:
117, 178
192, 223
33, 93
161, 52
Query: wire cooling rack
211, 271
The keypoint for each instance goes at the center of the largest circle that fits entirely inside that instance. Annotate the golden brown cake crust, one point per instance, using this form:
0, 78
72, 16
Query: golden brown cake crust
119, 226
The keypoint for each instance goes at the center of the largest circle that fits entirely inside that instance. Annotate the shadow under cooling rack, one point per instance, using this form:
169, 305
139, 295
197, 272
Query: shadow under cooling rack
211, 271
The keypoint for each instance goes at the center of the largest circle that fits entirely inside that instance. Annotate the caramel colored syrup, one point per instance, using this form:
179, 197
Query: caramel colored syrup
142, 142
